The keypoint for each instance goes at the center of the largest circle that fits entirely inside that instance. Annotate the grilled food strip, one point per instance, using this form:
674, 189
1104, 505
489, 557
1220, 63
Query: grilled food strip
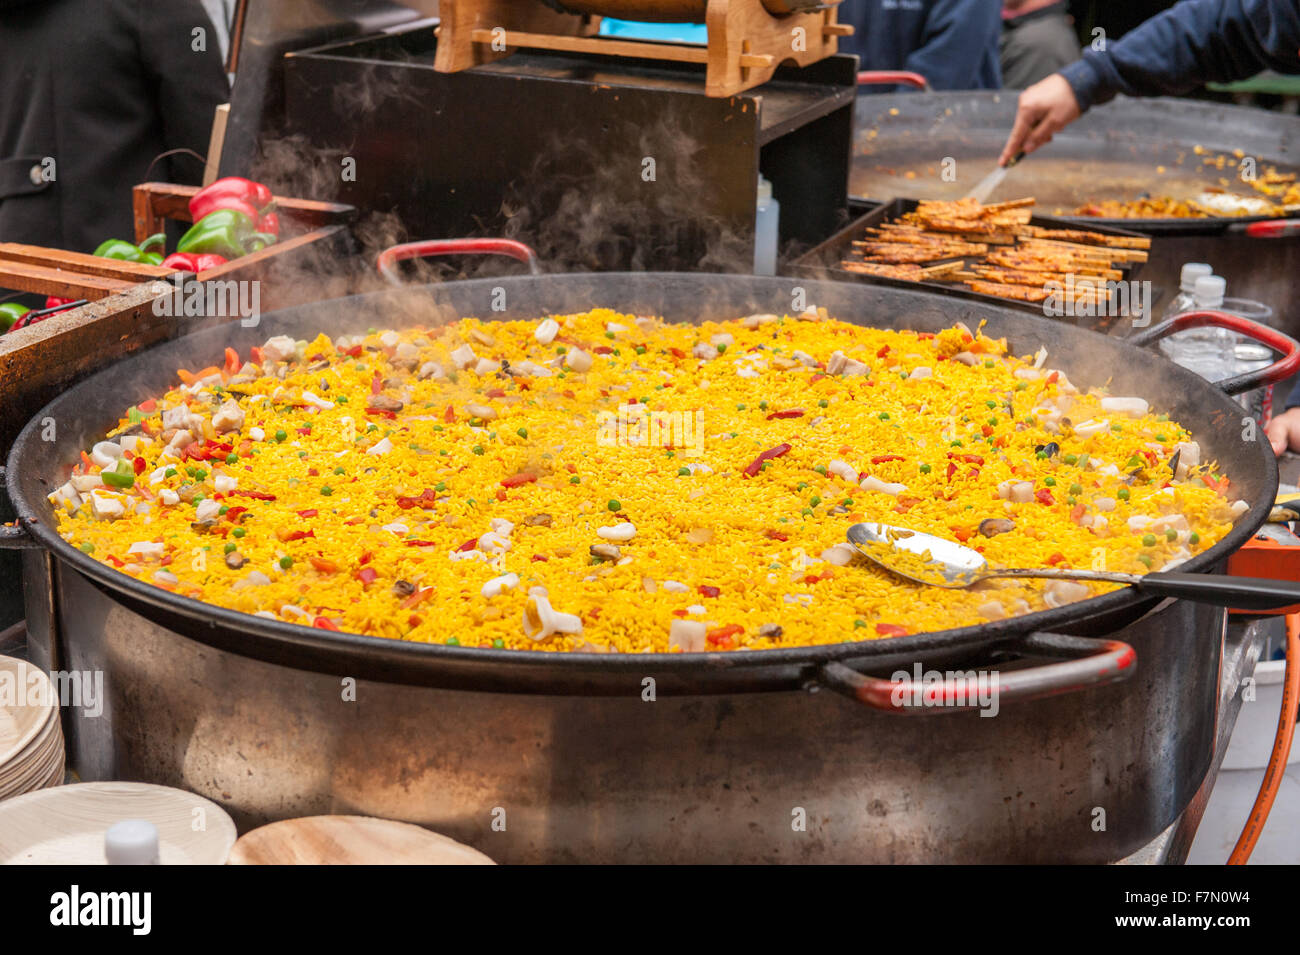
1086, 238
1021, 293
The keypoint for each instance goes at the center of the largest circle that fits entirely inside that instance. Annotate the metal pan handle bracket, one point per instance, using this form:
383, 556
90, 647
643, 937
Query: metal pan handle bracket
1088, 662
389, 258
1281, 369
13, 536
893, 78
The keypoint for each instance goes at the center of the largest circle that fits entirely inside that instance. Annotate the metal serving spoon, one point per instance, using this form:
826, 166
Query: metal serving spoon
956, 567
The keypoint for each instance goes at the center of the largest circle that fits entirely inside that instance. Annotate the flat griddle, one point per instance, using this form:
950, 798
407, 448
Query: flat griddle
1112, 152
823, 261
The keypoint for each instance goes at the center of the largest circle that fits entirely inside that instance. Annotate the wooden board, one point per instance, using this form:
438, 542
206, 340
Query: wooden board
350, 840
746, 43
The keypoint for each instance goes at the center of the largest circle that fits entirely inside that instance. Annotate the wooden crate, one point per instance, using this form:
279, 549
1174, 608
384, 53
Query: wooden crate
304, 223
75, 275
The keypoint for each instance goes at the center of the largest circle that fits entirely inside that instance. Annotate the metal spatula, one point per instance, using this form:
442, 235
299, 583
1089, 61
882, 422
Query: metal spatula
984, 188
950, 565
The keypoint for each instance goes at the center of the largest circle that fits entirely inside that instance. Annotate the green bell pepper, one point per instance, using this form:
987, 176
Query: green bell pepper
10, 312
227, 232
126, 252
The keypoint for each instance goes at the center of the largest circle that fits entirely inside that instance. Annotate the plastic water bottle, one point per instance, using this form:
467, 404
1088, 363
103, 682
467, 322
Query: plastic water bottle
766, 230
1183, 301
1206, 351
1250, 355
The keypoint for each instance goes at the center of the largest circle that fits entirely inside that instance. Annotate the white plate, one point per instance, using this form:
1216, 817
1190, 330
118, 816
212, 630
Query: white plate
65, 825
350, 840
49, 738
20, 723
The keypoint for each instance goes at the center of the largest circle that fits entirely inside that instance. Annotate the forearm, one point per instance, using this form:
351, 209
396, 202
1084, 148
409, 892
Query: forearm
1194, 42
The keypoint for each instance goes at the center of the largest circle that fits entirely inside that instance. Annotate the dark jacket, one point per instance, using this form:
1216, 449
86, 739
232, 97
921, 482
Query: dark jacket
1036, 44
100, 87
952, 43
1193, 43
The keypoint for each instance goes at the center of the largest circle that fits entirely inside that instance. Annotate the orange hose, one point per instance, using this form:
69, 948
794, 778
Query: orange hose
1281, 748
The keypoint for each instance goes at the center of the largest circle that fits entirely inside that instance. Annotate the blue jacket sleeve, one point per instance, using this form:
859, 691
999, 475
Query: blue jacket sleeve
959, 50
1190, 44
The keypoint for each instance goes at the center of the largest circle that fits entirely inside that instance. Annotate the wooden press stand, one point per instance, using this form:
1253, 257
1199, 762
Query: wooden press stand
746, 43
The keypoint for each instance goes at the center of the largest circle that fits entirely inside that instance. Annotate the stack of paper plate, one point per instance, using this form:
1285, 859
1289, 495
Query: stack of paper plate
67, 825
31, 738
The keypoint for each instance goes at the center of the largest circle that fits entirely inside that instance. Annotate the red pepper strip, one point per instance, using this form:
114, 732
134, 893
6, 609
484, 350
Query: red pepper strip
324, 565
382, 412
756, 465
677, 353
816, 378
114, 561
138, 464
377, 384
426, 500
721, 636
417, 598
891, 630
792, 413
1053, 378
367, 575
296, 535
708, 590
269, 223
1044, 496
775, 535
494, 393
1056, 558
310, 512
520, 479
232, 513
354, 351
968, 458
324, 623
882, 458
450, 414
952, 469
255, 495
962, 534
1076, 512
421, 544
366, 557
468, 545
539, 558
148, 406
883, 352
233, 364
986, 430
1150, 456
603, 350
230, 192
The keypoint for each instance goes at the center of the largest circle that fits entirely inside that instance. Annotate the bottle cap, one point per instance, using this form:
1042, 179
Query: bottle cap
131, 842
1191, 272
765, 191
1209, 291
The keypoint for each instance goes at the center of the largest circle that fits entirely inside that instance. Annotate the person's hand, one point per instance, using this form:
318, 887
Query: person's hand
1284, 432
1045, 109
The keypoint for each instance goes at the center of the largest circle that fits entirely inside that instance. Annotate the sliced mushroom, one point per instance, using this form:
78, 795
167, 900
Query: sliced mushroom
403, 588
993, 526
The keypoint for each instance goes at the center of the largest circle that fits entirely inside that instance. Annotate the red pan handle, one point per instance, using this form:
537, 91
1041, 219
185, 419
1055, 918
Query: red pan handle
1281, 369
893, 78
1272, 229
416, 250
1088, 662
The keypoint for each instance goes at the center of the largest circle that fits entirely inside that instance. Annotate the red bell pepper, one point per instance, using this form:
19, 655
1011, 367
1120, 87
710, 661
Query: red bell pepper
269, 223
231, 192
193, 262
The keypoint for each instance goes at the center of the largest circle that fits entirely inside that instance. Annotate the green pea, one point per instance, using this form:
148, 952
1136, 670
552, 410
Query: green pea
282, 436
1050, 481
1149, 540
1171, 534
232, 458
440, 486
1076, 488
286, 562
453, 642
683, 472
522, 432
815, 500
1122, 494
1194, 539
170, 472
238, 532
925, 469
88, 548
613, 505
230, 548
1070, 459
327, 490
823, 403
575, 479
478, 449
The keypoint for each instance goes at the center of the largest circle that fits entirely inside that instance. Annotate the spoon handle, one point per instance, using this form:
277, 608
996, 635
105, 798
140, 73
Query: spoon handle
1246, 593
